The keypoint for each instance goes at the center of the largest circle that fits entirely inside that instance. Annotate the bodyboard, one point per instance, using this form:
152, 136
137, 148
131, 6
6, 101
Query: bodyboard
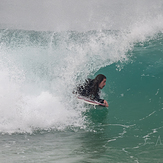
89, 101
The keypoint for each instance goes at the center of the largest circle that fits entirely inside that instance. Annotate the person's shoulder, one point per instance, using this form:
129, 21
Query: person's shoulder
88, 80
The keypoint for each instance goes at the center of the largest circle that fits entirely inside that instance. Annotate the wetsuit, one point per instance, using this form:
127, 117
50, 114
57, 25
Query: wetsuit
86, 89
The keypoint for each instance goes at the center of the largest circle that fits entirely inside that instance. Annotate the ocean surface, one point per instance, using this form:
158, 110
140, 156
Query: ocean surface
42, 121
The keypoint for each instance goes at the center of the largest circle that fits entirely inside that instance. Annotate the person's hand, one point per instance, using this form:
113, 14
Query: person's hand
106, 104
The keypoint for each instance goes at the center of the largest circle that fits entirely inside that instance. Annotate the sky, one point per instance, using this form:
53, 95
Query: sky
61, 15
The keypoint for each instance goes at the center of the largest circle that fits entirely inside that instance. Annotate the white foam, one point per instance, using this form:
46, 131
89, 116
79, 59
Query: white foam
22, 111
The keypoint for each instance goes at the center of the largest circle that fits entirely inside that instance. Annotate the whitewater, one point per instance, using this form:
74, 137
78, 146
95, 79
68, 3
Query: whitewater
40, 118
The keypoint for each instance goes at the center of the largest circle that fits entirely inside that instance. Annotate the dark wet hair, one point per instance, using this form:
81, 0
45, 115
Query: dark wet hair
98, 79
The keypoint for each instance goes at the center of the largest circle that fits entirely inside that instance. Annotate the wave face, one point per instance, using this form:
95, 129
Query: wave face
39, 71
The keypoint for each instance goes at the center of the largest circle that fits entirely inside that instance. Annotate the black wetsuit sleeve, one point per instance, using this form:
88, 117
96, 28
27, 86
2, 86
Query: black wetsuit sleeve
97, 98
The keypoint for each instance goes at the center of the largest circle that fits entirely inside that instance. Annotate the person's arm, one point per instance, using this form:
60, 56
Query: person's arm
97, 98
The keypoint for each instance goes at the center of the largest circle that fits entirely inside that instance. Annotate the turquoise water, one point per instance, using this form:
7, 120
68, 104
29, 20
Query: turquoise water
41, 121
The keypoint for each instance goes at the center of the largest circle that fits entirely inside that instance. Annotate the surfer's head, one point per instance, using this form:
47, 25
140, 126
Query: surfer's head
100, 80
